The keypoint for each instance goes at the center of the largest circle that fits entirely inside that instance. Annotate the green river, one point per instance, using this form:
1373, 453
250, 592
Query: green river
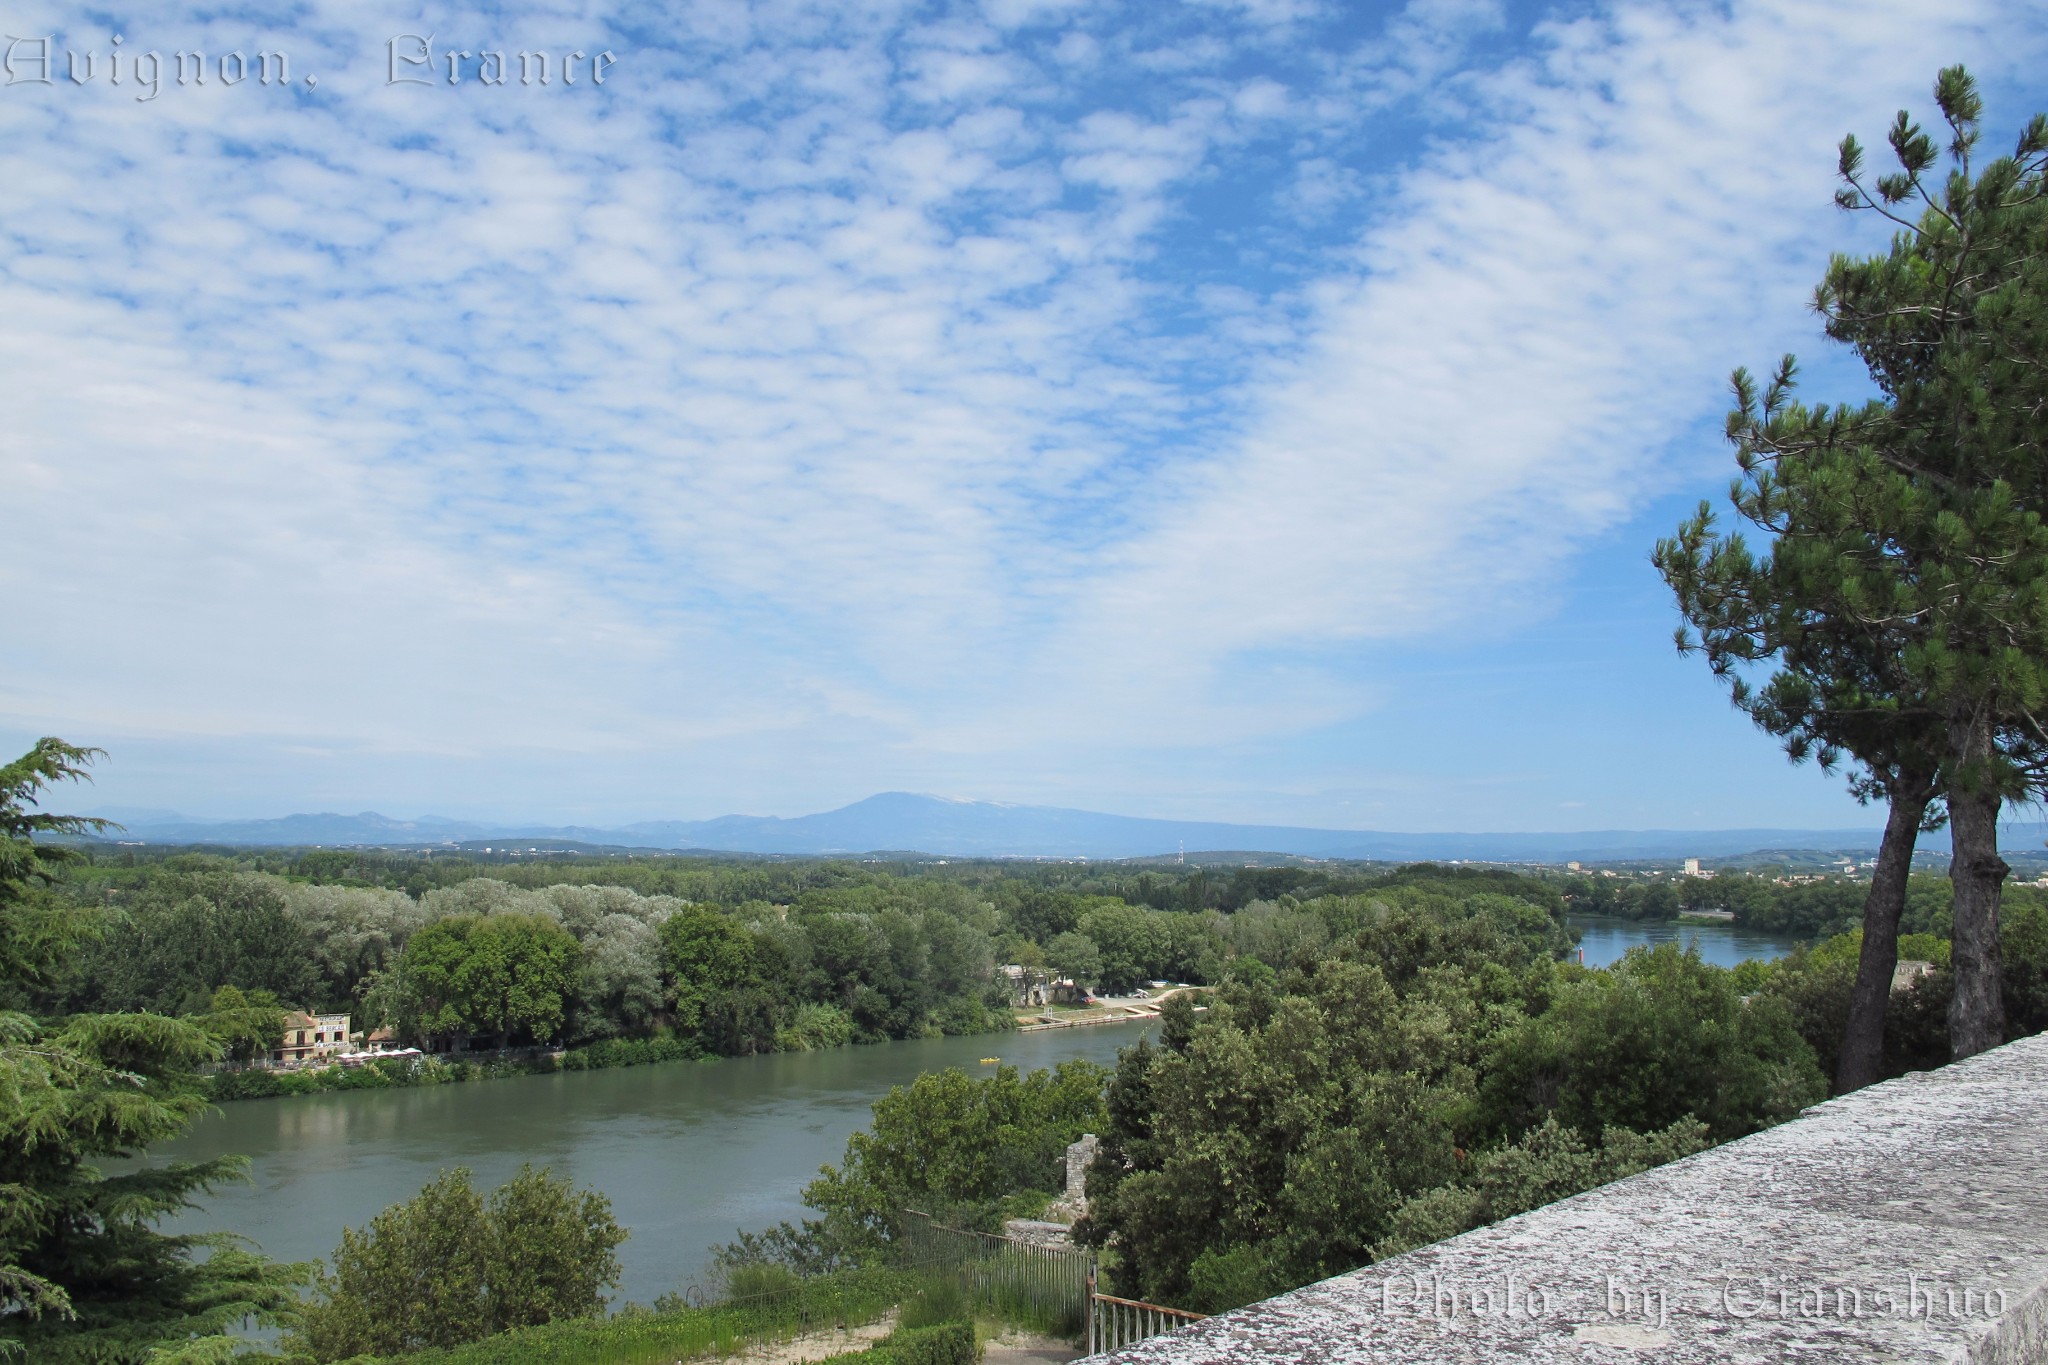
687, 1151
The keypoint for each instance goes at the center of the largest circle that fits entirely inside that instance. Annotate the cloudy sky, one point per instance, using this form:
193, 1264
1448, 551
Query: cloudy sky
1243, 409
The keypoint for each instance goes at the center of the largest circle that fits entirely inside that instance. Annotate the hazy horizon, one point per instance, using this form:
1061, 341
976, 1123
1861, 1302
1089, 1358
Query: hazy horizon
164, 815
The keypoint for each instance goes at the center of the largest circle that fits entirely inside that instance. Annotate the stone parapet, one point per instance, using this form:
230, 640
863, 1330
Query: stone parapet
1905, 1222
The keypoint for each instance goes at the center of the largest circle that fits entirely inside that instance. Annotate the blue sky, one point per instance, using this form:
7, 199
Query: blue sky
1242, 409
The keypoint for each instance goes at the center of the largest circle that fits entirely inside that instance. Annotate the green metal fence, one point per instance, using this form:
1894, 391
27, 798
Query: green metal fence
1044, 1287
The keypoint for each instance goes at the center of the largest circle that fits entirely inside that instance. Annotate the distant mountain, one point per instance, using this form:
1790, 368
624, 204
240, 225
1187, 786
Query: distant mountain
943, 827
366, 828
901, 820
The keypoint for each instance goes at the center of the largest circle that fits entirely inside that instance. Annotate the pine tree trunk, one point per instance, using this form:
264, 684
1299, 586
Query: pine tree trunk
1863, 1047
1976, 1014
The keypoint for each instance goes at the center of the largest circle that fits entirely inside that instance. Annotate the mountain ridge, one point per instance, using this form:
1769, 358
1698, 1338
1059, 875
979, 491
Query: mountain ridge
953, 827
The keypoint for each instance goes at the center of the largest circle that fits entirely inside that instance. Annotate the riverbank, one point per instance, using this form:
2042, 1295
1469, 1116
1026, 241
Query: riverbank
385, 1073
1110, 1010
1039, 1025
687, 1153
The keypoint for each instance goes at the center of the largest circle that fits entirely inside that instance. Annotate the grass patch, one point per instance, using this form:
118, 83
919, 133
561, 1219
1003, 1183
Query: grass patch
641, 1337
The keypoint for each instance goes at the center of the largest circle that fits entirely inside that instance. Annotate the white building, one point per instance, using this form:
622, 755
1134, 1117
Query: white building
310, 1037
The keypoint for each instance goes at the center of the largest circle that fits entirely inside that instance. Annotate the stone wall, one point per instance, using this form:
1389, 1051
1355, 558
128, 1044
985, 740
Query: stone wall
1036, 1232
1079, 1154
1073, 1203
1906, 1222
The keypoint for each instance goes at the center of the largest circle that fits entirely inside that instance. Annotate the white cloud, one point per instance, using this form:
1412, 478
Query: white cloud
1539, 315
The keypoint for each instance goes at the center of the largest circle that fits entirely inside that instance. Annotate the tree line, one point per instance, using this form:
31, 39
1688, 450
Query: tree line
1809, 910
504, 965
1426, 1061
841, 953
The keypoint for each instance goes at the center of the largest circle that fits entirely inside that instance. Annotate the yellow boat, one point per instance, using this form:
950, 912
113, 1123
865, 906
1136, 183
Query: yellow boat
990, 1061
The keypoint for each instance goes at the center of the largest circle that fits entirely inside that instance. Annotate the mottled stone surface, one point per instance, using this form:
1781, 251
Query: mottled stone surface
1073, 1202
1079, 1154
1036, 1232
1906, 1222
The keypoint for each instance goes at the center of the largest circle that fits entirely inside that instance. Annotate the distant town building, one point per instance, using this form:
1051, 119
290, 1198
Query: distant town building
1571, 867
1028, 985
309, 1037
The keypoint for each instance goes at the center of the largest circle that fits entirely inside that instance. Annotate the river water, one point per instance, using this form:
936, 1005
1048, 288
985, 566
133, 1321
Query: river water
687, 1151
1604, 938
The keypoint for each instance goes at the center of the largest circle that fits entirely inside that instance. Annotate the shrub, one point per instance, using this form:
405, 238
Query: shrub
760, 1281
941, 1300
1219, 1281
243, 1085
448, 1267
1816, 984
953, 1146
1548, 1163
2024, 938
630, 1052
357, 1078
950, 1343
963, 1015
815, 1026
1659, 1037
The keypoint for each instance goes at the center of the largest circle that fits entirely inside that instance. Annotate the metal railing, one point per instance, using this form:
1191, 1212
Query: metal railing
1115, 1322
1045, 1287
1053, 1288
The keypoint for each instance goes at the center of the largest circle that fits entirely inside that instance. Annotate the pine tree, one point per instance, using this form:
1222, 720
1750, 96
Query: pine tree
1907, 579
1951, 323
1838, 693
84, 1274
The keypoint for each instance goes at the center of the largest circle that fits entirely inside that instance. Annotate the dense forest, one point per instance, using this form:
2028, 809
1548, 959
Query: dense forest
1808, 908
730, 957
727, 957
1425, 1061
